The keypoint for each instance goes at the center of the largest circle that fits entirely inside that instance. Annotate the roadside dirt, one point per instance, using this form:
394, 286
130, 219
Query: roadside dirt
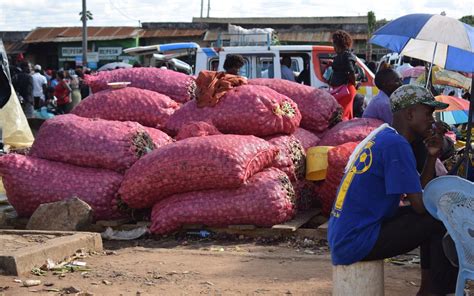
187, 266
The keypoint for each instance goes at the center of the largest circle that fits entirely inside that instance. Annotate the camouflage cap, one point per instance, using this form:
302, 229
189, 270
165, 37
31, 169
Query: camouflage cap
409, 95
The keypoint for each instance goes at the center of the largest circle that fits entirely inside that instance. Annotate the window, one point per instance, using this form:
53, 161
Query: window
265, 67
213, 64
245, 70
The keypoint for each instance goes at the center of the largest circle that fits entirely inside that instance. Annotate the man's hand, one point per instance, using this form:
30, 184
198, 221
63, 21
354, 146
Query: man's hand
434, 145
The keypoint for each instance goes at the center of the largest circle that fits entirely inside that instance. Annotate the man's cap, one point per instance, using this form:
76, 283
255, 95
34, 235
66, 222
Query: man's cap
408, 95
38, 67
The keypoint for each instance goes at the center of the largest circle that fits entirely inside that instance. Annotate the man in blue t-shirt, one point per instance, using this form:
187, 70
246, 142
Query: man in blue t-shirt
366, 222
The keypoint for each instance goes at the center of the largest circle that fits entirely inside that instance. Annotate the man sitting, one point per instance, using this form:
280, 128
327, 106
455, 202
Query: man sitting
366, 222
286, 72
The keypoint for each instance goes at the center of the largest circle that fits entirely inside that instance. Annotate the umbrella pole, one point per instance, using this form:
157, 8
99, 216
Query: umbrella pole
466, 157
467, 151
428, 77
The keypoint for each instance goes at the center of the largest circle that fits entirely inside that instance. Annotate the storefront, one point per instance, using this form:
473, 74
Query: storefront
100, 53
62, 47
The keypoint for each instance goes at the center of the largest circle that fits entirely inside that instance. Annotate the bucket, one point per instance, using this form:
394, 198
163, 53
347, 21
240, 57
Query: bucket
317, 163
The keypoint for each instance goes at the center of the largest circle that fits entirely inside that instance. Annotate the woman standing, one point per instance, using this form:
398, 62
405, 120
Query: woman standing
343, 79
76, 91
62, 92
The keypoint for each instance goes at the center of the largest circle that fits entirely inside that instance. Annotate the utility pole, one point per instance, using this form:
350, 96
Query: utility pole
202, 7
84, 34
208, 7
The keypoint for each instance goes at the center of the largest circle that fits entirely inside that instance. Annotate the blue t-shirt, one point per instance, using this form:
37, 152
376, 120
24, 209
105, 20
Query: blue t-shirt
369, 193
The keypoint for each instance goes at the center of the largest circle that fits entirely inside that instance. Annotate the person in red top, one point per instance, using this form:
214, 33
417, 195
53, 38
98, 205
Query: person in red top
62, 92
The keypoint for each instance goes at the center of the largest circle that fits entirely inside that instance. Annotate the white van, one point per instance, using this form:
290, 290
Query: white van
264, 62
393, 59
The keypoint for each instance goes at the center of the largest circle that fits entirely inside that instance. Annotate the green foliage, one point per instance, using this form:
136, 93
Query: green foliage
88, 15
371, 21
468, 19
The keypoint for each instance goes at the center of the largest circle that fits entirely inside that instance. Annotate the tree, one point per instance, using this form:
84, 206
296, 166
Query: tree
468, 19
88, 15
371, 24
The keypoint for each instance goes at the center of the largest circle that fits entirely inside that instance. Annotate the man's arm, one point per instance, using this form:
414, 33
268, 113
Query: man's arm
434, 146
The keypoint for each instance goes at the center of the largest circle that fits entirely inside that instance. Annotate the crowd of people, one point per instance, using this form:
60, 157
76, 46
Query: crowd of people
51, 91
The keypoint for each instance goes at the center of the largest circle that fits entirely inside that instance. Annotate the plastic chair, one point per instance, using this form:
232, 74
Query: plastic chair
451, 200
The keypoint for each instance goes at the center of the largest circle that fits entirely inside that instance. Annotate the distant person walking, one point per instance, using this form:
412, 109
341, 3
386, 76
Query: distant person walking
23, 84
344, 72
39, 87
62, 92
76, 96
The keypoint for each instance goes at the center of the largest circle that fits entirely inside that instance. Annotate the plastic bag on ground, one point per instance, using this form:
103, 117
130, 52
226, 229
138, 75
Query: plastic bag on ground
146, 107
266, 200
197, 129
199, 163
319, 109
89, 142
337, 160
244, 110
30, 182
291, 157
306, 138
178, 86
354, 130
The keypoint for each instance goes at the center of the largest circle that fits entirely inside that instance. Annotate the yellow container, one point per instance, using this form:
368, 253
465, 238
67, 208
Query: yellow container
317, 163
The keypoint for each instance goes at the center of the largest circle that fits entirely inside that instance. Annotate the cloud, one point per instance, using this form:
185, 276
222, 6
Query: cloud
25, 15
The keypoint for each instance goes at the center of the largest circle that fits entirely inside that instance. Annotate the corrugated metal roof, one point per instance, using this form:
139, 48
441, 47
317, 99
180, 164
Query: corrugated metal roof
290, 36
213, 35
313, 36
157, 33
336, 20
15, 47
71, 34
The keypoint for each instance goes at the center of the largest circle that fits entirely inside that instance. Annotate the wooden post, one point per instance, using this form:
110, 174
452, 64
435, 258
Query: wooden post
358, 279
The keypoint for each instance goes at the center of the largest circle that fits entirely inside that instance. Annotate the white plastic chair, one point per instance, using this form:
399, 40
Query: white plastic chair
451, 200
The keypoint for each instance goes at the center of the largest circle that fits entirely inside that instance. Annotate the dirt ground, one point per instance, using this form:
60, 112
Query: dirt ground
187, 266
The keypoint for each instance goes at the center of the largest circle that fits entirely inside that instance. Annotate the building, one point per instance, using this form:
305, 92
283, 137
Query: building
293, 30
13, 42
62, 46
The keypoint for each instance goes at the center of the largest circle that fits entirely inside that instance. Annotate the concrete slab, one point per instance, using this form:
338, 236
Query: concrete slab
22, 250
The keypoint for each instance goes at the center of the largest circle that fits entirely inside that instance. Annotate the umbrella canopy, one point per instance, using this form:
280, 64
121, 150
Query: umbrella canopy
454, 79
456, 113
114, 65
413, 72
442, 40
455, 103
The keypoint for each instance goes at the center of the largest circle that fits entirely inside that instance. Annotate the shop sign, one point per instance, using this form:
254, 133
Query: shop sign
109, 52
71, 51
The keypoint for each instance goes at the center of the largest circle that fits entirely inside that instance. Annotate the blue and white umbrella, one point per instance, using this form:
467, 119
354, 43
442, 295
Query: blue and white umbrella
438, 39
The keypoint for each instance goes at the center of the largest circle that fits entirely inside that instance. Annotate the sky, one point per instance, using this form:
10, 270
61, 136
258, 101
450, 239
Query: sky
17, 15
